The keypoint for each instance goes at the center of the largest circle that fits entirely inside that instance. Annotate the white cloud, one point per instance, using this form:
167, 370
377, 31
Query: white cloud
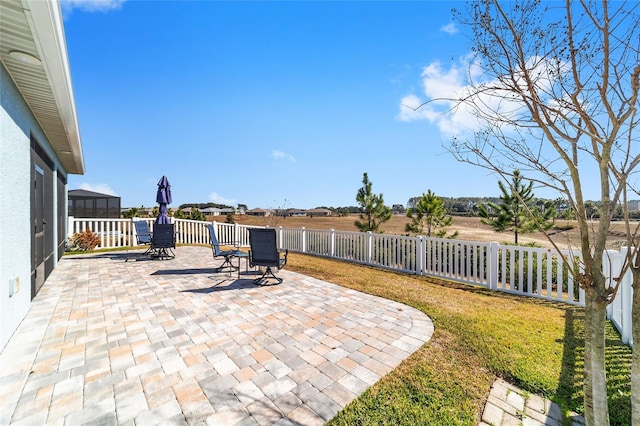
442, 87
102, 188
218, 199
91, 5
279, 154
450, 28
411, 109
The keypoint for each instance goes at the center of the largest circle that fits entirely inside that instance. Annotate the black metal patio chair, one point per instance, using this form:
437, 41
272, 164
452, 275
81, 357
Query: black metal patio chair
226, 266
143, 235
163, 241
264, 252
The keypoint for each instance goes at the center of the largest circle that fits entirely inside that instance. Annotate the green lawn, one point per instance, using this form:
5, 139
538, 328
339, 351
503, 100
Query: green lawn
479, 335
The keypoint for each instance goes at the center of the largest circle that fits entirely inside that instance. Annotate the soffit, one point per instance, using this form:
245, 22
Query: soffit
35, 28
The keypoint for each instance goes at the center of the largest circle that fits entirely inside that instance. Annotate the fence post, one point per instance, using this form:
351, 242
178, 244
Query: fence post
611, 266
332, 247
369, 247
421, 255
70, 224
303, 235
214, 225
280, 237
492, 266
625, 293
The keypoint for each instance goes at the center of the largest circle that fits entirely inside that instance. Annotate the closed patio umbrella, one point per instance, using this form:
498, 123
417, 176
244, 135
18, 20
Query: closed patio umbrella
163, 197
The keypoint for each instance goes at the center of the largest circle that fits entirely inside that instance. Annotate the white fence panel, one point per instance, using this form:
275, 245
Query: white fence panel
619, 310
292, 239
394, 252
538, 272
318, 242
112, 232
190, 231
464, 261
351, 246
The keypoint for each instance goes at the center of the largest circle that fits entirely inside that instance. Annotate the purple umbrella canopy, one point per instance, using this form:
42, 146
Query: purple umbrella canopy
163, 197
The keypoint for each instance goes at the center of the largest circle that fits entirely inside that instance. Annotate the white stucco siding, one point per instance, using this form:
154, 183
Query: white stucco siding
16, 124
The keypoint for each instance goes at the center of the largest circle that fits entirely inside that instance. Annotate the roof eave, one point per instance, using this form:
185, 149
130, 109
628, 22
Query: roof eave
54, 106
45, 19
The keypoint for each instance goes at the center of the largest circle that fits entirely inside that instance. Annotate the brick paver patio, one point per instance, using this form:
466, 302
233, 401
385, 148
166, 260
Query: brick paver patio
146, 342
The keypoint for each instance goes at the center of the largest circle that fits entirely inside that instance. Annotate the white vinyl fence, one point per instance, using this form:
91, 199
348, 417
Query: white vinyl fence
527, 271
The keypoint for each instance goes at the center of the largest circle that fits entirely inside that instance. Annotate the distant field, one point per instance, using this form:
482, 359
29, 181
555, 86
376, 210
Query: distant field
469, 229
340, 223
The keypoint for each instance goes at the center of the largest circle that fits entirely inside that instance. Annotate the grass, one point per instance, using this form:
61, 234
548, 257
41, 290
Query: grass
479, 335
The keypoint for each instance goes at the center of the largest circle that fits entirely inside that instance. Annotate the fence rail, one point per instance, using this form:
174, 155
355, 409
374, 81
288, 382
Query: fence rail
527, 271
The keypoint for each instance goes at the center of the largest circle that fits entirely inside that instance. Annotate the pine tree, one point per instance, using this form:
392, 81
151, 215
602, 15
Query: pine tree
515, 213
429, 215
374, 212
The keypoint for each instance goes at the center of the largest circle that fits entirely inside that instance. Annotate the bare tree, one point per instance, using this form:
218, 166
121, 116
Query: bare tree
553, 89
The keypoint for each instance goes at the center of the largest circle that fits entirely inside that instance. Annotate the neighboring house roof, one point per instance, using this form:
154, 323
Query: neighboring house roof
259, 212
89, 194
34, 52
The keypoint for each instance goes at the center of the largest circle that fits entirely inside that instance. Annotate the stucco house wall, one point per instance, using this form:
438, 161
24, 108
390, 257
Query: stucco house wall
15, 232
39, 146
17, 124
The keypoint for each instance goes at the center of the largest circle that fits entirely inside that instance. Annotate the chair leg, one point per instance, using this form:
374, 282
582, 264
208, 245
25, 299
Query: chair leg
163, 253
264, 279
226, 266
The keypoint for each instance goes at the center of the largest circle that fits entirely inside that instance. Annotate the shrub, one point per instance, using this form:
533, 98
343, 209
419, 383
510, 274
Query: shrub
84, 241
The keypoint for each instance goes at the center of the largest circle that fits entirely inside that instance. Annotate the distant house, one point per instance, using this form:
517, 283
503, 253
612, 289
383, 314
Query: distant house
258, 212
84, 203
212, 211
40, 147
292, 213
319, 212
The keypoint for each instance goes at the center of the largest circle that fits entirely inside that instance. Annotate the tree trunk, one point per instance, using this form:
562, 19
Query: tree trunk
596, 410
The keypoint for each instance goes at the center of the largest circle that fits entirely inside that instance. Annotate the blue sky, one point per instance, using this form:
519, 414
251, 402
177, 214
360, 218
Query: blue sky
269, 104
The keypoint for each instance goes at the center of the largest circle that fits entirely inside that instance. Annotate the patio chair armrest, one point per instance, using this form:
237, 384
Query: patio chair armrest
235, 244
283, 260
